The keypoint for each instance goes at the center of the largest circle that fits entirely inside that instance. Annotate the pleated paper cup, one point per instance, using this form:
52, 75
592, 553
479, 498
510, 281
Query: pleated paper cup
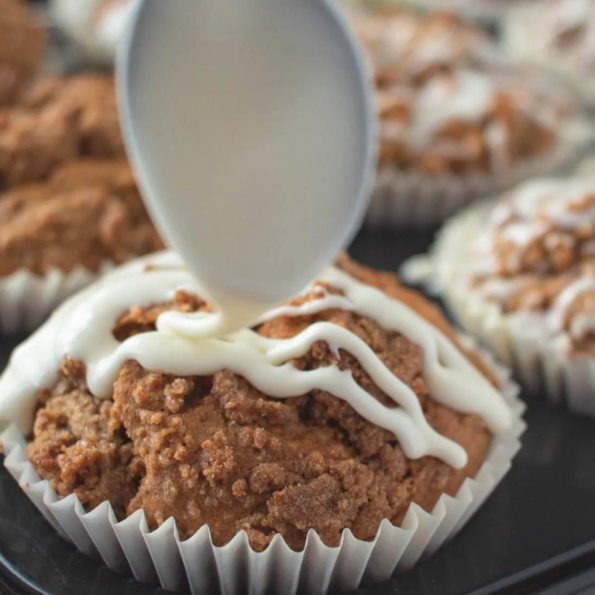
544, 365
27, 299
161, 557
422, 200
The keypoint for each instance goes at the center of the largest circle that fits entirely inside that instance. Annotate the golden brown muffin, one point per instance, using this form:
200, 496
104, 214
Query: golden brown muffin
215, 450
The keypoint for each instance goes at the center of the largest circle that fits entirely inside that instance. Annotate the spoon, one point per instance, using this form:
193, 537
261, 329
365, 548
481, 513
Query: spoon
251, 127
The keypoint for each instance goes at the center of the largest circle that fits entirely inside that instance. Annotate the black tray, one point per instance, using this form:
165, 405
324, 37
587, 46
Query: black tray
536, 534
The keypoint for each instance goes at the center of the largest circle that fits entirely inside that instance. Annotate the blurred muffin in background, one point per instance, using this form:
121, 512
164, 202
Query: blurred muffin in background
456, 120
519, 274
69, 204
558, 34
22, 46
94, 27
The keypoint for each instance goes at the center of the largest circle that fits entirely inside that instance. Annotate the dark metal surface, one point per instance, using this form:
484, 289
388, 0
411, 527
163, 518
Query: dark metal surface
536, 534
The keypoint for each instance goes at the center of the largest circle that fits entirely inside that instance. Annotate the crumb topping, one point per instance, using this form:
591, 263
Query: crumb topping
59, 119
538, 256
88, 212
214, 450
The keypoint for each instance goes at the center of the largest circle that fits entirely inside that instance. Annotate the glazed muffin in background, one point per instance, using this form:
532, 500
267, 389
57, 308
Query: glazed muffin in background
555, 34
520, 276
215, 450
22, 47
456, 121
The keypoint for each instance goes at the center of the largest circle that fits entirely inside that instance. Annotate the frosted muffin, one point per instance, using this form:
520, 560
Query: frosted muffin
95, 28
520, 275
454, 123
22, 45
333, 418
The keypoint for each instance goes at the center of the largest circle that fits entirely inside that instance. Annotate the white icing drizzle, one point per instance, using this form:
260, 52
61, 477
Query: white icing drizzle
464, 95
183, 344
532, 210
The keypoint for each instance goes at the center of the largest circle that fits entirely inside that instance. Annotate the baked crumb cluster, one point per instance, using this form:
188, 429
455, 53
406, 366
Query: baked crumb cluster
214, 450
69, 197
59, 119
538, 256
445, 105
22, 45
87, 213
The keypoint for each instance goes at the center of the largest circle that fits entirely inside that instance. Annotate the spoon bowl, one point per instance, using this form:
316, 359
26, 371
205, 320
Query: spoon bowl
251, 127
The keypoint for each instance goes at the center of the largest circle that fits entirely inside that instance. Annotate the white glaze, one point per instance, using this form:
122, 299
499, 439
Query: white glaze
183, 344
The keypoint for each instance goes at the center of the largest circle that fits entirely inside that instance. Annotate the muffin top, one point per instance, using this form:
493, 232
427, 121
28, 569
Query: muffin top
22, 46
407, 47
537, 257
59, 119
338, 410
447, 106
87, 213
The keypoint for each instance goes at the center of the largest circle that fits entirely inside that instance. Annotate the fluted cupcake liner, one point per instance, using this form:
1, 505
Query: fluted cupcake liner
160, 556
405, 198
544, 365
27, 299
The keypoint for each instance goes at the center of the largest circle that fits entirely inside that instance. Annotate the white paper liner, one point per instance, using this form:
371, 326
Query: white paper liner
542, 363
405, 199
27, 299
129, 546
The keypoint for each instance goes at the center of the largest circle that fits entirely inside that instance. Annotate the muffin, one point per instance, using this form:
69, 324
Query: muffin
94, 29
22, 45
455, 123
520, 275
69, 205
561, 36
324, 429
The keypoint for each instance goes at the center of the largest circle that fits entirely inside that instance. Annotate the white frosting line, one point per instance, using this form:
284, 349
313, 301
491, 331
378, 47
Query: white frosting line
183, 345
